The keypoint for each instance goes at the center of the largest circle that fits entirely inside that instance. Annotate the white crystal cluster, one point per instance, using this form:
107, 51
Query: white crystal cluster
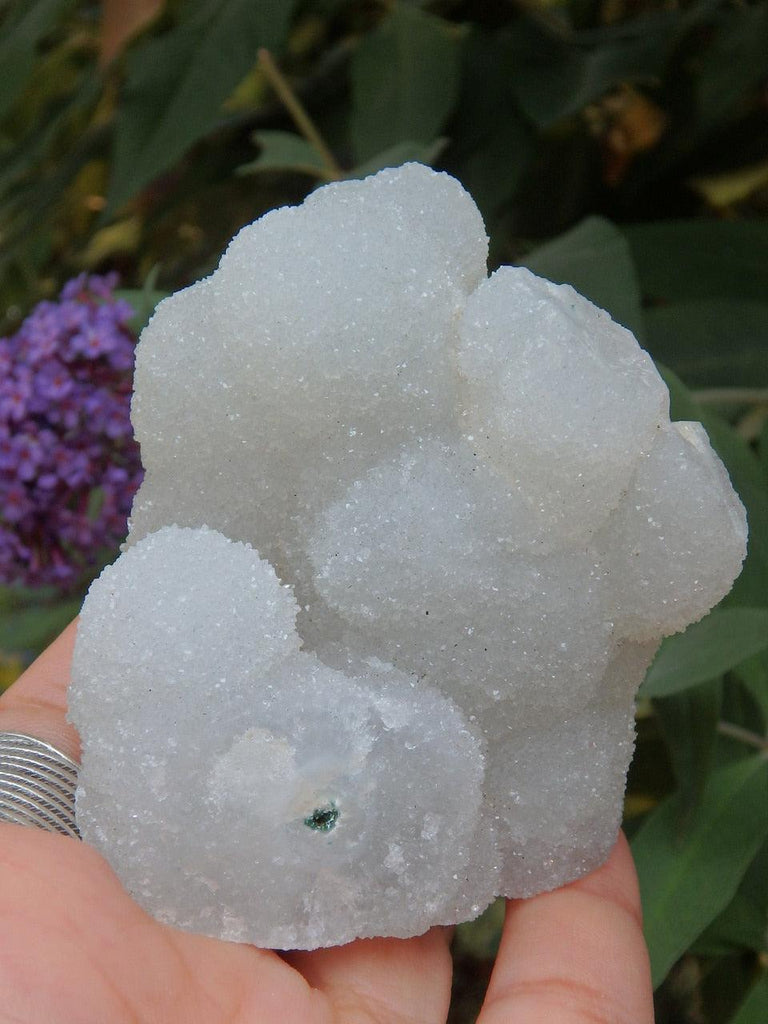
408, 540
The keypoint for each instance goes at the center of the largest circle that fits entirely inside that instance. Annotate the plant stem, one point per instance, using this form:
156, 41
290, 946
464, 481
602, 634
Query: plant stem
736, 732
300, 117
731, 396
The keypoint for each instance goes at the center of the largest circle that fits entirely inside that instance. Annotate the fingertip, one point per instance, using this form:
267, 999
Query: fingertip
616, 881
575, 954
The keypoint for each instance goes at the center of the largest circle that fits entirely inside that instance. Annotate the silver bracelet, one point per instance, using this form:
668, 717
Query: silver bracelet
37, 784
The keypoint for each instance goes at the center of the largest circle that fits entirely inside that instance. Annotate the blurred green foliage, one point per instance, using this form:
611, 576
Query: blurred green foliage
618, 145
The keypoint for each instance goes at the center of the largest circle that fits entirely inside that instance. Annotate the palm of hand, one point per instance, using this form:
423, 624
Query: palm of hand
74, 947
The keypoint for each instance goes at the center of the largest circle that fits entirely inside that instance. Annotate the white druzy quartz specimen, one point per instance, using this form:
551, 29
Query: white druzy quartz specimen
408, 540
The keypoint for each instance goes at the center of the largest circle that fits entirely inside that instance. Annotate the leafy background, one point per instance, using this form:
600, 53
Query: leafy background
619, 145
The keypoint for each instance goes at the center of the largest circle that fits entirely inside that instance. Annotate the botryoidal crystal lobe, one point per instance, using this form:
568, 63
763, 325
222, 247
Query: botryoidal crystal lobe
408, 539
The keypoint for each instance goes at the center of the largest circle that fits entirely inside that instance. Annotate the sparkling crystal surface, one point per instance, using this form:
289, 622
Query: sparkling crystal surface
408, 539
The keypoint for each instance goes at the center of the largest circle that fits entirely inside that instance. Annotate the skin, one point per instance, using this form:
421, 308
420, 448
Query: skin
75, 949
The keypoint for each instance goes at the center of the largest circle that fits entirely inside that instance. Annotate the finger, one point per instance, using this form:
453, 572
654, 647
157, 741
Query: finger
383, 980
575, 955
37, 702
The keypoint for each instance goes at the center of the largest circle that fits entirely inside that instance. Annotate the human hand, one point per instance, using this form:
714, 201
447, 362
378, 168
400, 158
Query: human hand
75, 949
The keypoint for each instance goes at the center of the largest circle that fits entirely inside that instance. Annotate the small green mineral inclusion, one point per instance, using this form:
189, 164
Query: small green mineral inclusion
324, 818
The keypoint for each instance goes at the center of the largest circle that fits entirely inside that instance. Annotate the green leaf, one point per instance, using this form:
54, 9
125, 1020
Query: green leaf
753, 673
30, 151
593, 257
284, 151
405, 77
723, 639
682, 404
144, 300
686, 883
751, 588
19, 39
14, 596
712, 342
30, 185
678, 261
400, 153
32, 628
747, 478
492, 172
689, 725
744, 922
754, 1009
177, 82
288, 152
732, 64
491, 141
557, 75
743, 467
27, 203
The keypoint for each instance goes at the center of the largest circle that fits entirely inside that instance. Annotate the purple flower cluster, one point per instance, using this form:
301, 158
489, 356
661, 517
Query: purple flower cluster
69, 465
